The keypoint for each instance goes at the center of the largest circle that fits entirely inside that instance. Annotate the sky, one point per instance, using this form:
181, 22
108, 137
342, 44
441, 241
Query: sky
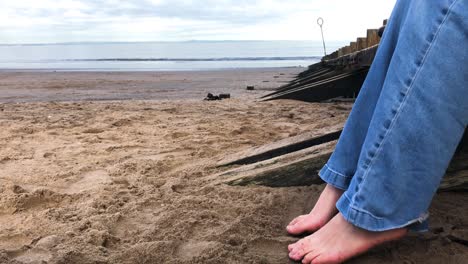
57, 21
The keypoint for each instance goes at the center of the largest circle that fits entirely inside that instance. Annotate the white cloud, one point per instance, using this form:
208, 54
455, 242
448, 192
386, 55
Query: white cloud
45, 21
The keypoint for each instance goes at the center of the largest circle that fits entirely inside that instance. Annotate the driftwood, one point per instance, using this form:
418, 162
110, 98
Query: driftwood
284, 146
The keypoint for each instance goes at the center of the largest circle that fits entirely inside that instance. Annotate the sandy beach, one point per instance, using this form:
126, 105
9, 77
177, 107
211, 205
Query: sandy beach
116, 167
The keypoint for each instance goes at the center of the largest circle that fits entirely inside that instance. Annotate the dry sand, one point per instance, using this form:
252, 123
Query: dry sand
129, 181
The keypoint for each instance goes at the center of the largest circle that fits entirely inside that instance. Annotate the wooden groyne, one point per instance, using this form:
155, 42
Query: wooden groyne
339, 74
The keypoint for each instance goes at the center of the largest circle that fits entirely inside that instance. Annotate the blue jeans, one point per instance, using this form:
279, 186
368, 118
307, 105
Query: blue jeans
408, 119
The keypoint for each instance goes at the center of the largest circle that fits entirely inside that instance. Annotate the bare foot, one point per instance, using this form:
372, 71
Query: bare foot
323, 211
338, 241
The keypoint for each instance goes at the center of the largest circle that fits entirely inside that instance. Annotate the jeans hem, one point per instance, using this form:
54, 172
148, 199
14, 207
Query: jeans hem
369, 222
334, 178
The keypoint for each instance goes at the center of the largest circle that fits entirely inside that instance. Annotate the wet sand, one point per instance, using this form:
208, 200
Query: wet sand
99, 86
130, 181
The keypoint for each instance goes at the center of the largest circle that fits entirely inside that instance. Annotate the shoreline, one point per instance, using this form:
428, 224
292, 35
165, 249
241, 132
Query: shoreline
97, 70
24, 86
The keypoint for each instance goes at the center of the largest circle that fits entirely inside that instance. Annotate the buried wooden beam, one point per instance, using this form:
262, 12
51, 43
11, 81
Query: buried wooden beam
304, 172
455, 182
293, 169
301, 169
456, 178
282, 147
301, 173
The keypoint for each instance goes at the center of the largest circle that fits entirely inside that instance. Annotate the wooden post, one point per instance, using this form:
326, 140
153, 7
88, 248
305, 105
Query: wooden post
340, 52
346, 50
372, 37
353, 46
361, 43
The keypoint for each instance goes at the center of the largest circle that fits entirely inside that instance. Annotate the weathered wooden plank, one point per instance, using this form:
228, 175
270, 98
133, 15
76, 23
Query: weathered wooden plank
300, 173
284, 146
329, 73
311, 68
455, 182
301, 169
294, 169
346, 84
456, 178
314, 76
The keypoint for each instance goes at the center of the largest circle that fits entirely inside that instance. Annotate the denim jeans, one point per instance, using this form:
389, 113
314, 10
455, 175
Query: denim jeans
408, 119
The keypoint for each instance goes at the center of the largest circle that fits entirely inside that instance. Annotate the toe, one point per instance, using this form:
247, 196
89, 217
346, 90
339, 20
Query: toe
295, 220
295, 254
293, 250
301, 248
293, 226
309, 257
322, 260
299, 226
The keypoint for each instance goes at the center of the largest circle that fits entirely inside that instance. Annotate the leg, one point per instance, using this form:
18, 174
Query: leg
418, 121
343, 163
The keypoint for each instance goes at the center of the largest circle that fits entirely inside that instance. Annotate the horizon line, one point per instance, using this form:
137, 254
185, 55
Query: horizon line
152, 41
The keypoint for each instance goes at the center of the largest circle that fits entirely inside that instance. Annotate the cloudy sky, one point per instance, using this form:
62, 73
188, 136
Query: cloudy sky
52, 21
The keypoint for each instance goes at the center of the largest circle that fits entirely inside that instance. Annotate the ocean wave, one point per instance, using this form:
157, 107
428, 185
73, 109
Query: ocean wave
301, 58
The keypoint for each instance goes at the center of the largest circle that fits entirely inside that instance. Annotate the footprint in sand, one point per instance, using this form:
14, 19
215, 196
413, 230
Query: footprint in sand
193, 249
271, 247
31, 256
12, 242
89, 181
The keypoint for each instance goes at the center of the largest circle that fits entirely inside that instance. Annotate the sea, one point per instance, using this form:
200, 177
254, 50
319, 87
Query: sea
161, 56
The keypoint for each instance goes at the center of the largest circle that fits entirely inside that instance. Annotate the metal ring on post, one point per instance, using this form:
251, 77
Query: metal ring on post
320, 22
